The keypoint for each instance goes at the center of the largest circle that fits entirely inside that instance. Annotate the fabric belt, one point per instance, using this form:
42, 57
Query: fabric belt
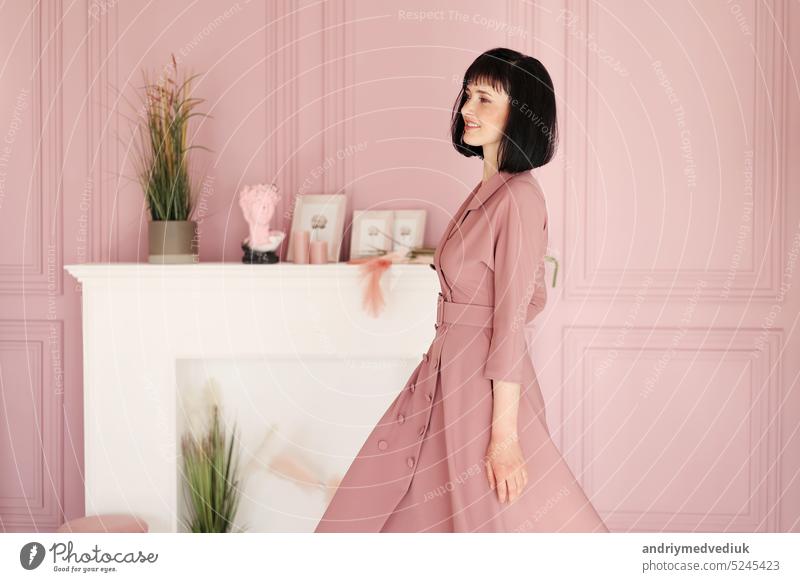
463, 313
455, 314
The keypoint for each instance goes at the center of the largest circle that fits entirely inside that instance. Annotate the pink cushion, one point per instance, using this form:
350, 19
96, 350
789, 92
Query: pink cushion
112, 523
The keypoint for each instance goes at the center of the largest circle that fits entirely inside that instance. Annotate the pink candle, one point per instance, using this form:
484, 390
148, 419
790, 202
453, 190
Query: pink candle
319, 252
301, 240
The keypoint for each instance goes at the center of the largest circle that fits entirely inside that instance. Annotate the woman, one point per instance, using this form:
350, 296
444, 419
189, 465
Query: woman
465, 446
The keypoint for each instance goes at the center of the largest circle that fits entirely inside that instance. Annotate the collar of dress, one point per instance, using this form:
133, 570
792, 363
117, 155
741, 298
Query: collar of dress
476, 200
487, 189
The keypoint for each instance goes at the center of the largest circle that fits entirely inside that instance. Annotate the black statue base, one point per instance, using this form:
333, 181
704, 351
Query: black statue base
252, 257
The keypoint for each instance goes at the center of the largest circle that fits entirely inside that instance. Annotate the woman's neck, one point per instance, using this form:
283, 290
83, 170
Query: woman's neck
489, 162
489, 170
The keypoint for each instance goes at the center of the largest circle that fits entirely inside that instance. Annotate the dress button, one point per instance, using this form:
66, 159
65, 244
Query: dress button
412, 388
382, 445
410, 461
401, 419
430, 397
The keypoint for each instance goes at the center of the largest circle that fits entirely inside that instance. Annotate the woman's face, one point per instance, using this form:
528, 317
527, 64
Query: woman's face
485, 112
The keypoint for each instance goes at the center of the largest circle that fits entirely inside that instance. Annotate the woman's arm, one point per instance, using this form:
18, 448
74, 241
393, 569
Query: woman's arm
519, 250
520, 241
505, 464
505, 408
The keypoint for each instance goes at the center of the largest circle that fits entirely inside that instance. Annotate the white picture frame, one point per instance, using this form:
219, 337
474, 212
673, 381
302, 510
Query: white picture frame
371, 233
408, 229
323, 216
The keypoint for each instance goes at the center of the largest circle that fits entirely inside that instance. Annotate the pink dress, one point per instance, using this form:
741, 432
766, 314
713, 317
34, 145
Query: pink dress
421, 469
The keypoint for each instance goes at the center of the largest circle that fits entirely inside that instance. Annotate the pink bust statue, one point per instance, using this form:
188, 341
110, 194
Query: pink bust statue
258, 206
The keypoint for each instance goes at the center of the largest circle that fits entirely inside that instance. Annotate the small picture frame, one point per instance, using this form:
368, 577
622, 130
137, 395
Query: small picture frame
323, 216
409, 229
372, 233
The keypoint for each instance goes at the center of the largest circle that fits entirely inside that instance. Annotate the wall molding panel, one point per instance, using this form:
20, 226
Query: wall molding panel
761, 278
31, 344
590, 356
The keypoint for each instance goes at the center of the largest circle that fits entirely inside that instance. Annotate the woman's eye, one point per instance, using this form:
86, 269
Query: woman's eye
482, 99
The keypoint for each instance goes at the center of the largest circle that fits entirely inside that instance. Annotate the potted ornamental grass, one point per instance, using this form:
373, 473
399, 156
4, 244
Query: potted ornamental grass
211, 478
163, 166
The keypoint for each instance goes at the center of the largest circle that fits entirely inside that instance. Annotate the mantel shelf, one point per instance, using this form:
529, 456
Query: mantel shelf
84, 272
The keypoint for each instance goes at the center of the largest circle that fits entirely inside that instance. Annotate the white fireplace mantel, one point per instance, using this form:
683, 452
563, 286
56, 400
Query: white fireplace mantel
139, 319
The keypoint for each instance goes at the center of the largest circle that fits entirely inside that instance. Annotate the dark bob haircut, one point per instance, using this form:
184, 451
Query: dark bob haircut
530, 137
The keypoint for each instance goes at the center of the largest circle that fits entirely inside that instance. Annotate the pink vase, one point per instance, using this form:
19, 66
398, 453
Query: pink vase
319, 252
301, 241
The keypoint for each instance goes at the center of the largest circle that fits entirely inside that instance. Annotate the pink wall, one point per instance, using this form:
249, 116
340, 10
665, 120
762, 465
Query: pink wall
670, 201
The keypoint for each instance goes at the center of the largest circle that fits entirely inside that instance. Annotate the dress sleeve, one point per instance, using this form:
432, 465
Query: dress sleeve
519, 248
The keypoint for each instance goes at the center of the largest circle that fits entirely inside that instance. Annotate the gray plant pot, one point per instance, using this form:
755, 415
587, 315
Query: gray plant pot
173, 241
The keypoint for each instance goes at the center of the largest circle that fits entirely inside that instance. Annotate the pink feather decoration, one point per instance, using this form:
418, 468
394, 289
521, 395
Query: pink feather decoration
372, 270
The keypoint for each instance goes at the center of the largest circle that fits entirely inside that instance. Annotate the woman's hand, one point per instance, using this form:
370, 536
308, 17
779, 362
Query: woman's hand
505, 466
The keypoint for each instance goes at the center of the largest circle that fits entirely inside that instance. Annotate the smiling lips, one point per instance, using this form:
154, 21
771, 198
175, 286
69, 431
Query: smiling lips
470, 125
